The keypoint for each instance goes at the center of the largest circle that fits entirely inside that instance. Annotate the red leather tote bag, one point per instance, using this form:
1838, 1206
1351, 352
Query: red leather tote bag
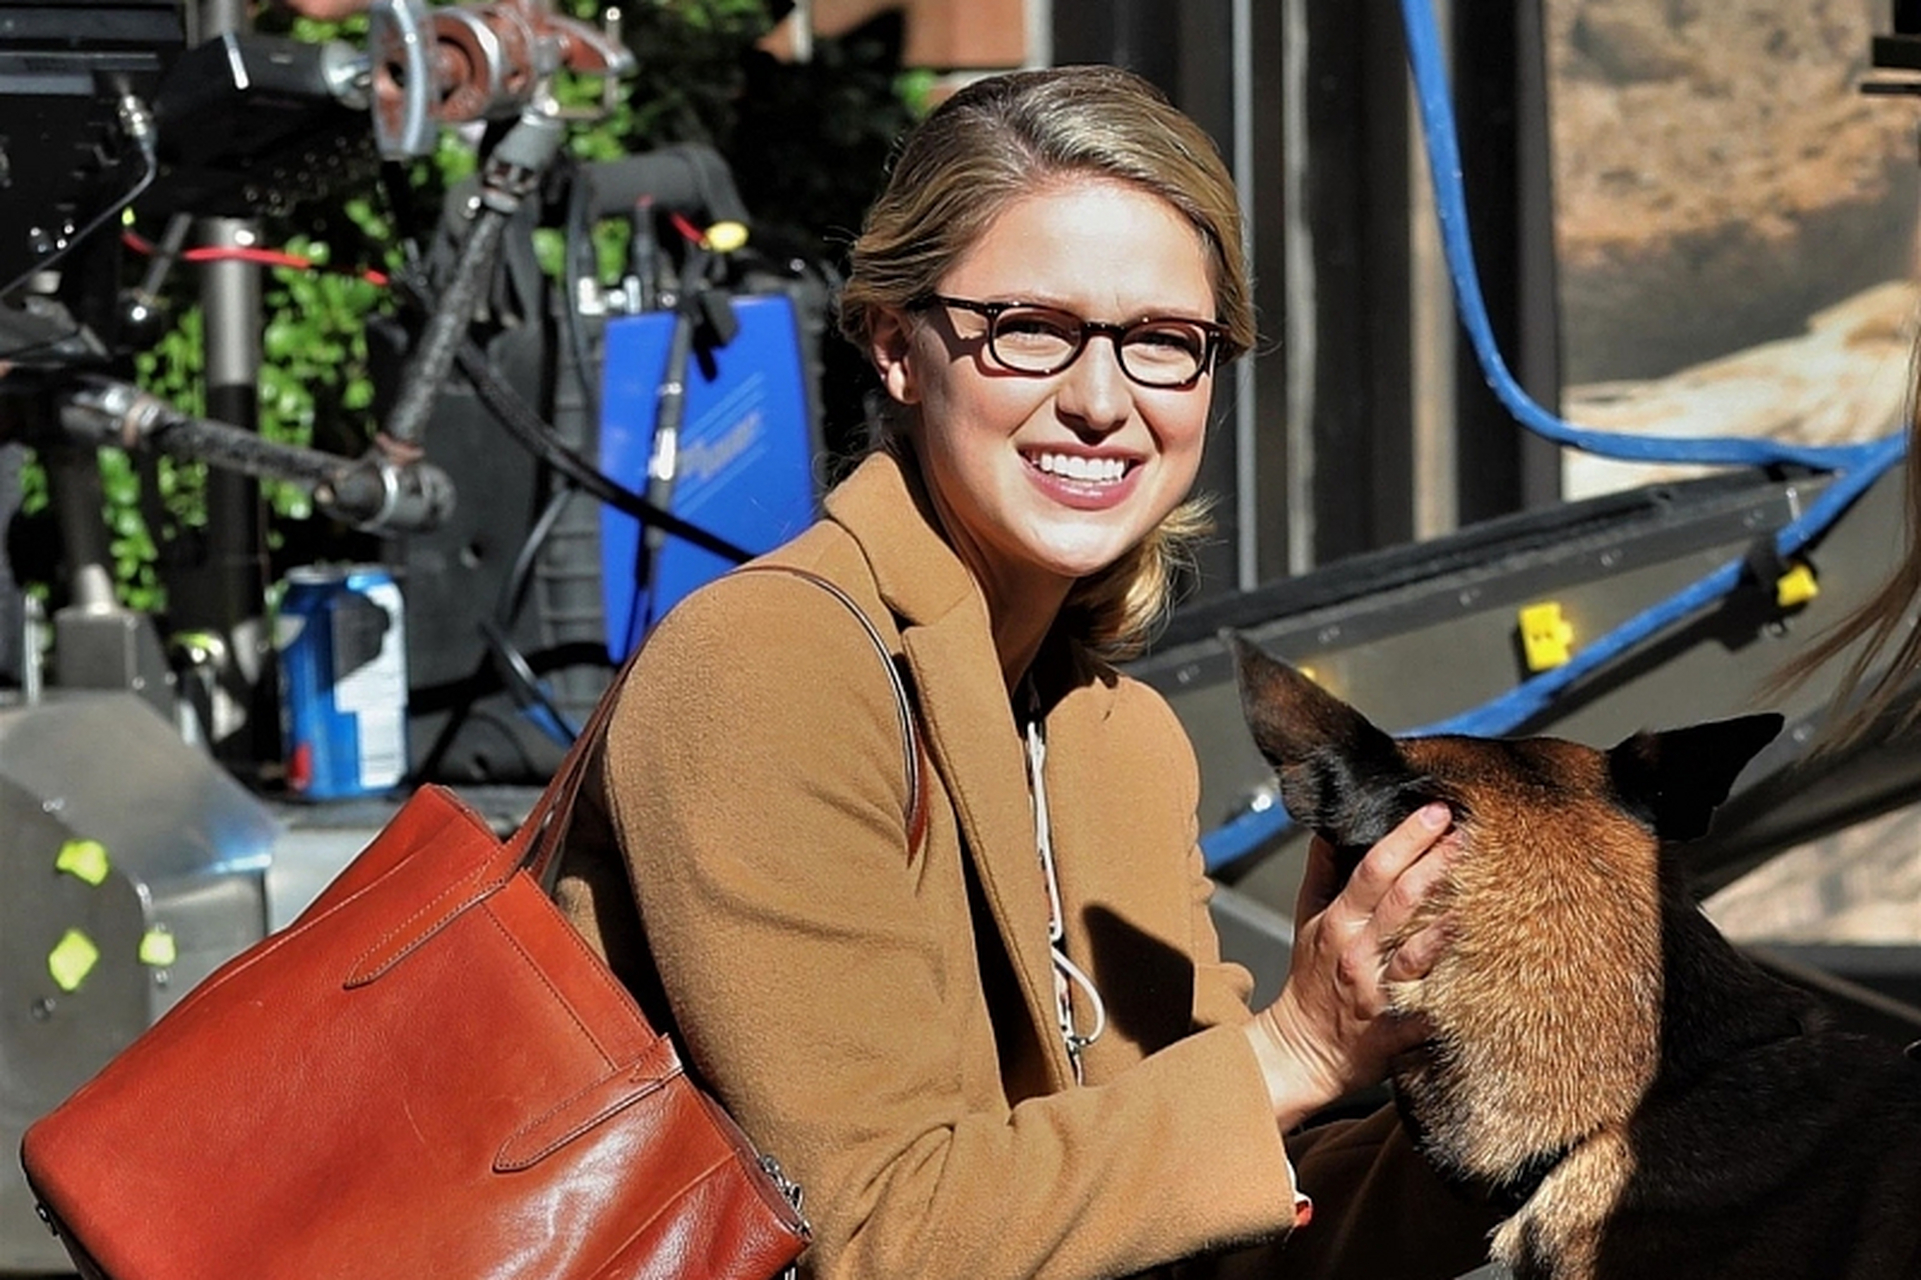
428, 1074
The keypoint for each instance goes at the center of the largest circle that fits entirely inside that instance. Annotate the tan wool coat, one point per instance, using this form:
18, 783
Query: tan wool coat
882, 1018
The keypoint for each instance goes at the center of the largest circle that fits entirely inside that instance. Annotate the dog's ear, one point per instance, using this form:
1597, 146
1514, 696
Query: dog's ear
1674, 780
1339, 773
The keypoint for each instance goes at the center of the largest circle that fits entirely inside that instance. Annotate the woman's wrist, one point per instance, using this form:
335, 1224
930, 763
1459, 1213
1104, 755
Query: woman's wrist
1295, 1089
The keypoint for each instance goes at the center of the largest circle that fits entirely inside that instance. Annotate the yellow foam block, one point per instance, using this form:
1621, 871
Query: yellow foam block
72, 959
1796, 587
1547, 638
84, 860
158, 948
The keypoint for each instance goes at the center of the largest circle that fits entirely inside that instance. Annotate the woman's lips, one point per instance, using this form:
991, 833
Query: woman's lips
1087, 482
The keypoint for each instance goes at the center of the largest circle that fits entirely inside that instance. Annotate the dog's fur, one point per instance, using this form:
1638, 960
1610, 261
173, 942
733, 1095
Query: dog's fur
1651, 1102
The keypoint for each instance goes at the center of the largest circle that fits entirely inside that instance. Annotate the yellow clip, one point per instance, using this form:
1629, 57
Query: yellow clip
158, 948
1797, 586
726, 237
84, 860
72, 959
1547, 639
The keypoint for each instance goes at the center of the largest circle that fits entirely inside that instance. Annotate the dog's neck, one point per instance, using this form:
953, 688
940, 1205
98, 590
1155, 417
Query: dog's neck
1729, 1008
1725, 1001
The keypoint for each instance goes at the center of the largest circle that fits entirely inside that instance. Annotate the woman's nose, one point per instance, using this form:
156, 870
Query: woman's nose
1093, 390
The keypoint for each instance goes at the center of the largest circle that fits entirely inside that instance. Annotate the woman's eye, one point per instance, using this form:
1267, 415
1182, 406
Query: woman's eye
1038, 326
1168, 338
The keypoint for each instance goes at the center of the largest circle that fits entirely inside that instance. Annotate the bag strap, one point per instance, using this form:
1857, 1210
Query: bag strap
538, 840
903, 705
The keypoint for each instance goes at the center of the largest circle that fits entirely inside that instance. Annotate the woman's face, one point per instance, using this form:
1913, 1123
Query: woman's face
1040, 480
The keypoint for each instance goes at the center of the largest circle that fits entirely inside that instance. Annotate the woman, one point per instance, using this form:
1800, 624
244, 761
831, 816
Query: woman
1009, 1048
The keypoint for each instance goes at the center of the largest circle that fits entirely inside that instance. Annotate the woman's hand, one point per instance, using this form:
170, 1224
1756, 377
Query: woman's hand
1329, 1032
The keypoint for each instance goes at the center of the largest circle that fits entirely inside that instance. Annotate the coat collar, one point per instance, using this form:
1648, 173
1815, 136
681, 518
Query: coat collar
919, 576
969, 722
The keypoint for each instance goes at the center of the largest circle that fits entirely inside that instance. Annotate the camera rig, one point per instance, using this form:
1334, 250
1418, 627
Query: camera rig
109, 108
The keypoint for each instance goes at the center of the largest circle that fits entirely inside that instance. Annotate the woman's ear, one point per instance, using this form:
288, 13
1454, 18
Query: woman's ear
891, 347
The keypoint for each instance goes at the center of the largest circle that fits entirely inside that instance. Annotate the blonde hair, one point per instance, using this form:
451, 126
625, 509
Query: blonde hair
1879, 625
1003, 138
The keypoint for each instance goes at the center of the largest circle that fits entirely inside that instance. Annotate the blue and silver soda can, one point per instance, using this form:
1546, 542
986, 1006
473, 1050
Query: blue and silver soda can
343, 681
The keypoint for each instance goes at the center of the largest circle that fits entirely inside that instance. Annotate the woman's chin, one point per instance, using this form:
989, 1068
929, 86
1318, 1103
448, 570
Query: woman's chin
1082, 557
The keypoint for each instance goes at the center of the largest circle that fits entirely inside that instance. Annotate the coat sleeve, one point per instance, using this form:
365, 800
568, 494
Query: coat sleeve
755, 777
1221, 987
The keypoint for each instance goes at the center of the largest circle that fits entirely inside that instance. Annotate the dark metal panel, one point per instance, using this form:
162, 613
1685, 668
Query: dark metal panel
1500, 97
1357, 209
52, 1039
1268, 189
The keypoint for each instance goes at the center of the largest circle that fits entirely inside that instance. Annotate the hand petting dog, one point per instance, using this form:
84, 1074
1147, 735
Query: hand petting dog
1563, 1026
1331, 1032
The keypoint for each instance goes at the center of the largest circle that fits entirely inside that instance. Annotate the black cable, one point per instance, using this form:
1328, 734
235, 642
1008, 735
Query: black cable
138, 122
524, 685
513, 671
526, 426
513, 588
670, 405
516, 671
45, 344
457, 693
459, 697
579, 234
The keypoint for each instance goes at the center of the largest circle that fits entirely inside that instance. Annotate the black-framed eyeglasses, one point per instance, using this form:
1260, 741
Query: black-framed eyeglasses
1169, 353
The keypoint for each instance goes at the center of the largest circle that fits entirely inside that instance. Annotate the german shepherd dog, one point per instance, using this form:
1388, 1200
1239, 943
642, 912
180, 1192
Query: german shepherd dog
1600, 1058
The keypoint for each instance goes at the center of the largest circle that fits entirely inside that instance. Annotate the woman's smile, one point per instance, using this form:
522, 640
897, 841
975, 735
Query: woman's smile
1088, 482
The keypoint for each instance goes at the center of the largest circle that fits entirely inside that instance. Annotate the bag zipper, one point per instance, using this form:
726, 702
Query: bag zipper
771, 1167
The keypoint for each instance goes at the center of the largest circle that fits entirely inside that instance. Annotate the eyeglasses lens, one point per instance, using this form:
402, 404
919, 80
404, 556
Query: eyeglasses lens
1158, 353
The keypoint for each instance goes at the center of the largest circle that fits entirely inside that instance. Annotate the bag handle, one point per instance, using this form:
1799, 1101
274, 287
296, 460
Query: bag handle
903, 706
537, 842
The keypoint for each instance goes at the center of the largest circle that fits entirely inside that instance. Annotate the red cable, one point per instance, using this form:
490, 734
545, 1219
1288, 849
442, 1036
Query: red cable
266, 257
690, 232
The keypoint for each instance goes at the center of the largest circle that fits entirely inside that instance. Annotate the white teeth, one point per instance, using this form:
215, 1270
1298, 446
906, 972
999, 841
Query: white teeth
1075, 467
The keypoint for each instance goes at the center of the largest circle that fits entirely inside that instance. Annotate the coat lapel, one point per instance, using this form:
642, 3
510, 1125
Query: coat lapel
969, 726
972, 736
